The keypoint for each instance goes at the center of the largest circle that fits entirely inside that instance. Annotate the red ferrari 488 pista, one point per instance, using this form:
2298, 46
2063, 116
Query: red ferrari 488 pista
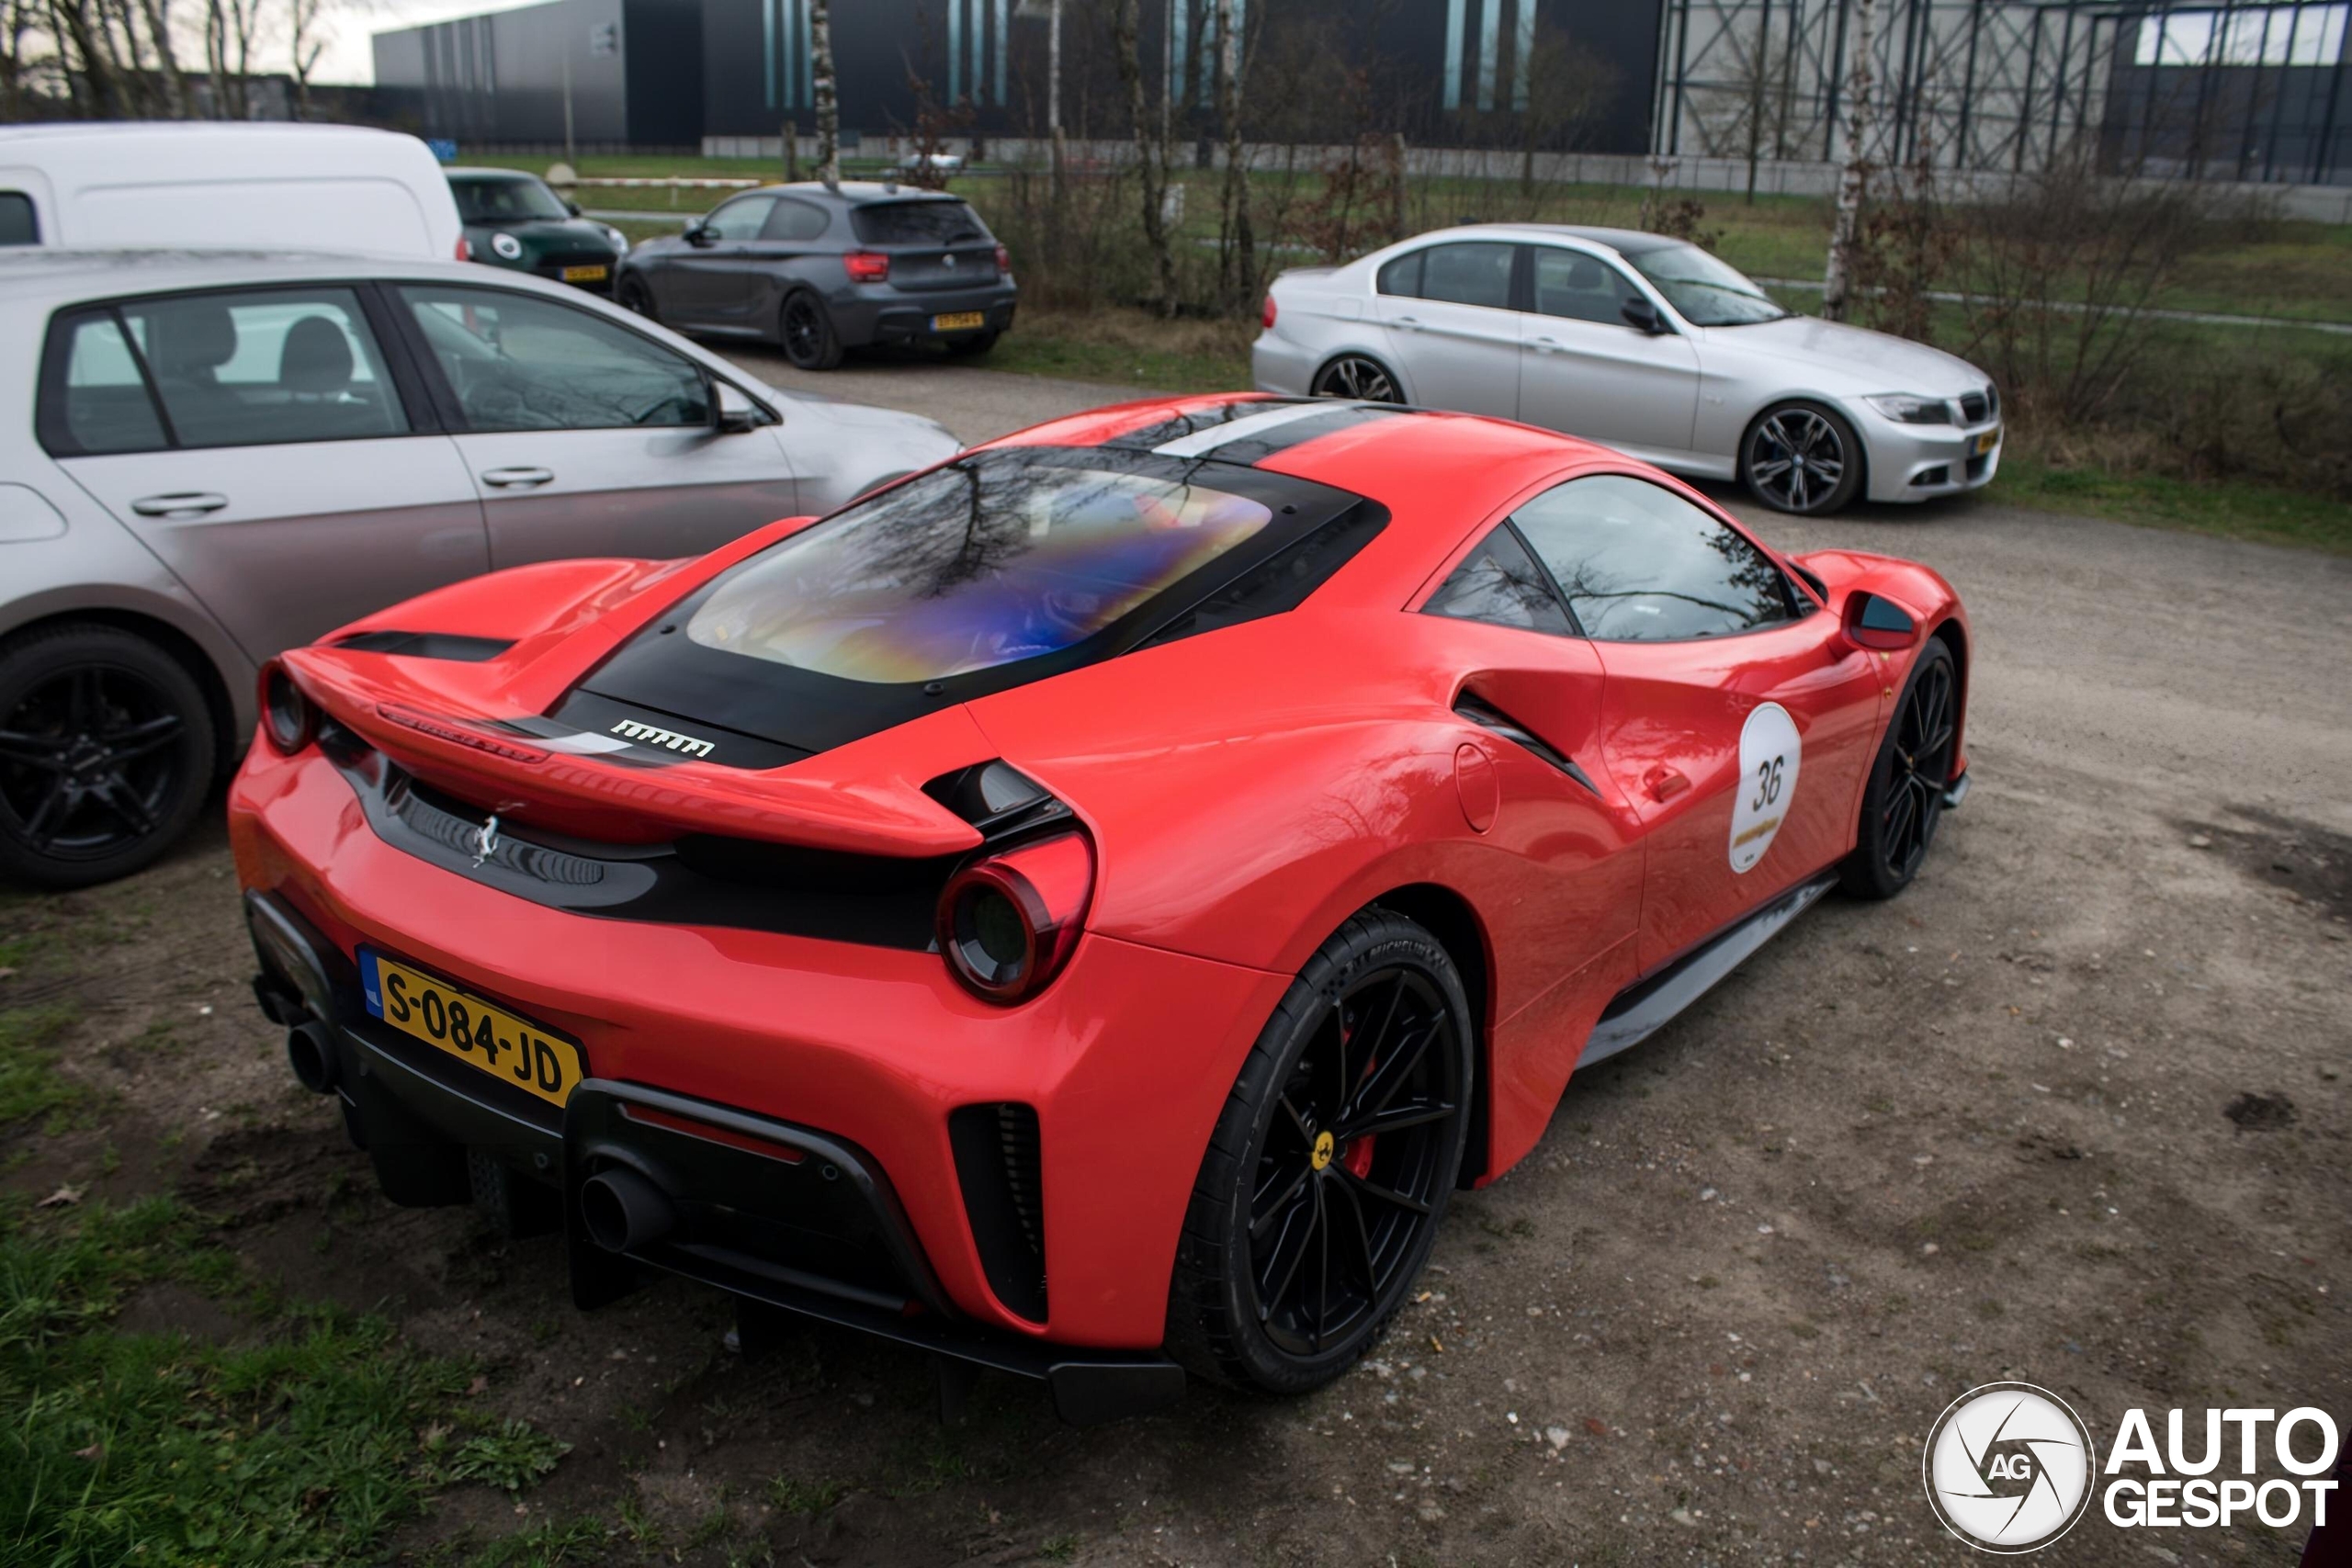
1081, 909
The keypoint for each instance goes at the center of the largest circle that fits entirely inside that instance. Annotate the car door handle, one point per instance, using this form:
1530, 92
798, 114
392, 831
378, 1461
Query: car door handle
516, 479
1544, 344
1410, 323
1663, 783
178, 501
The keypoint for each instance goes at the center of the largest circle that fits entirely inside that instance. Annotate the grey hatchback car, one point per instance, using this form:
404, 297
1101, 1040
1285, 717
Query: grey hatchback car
820, 269
208, 458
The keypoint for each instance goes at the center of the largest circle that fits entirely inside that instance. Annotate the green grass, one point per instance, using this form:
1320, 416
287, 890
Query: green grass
2231, 508
304, 1437
30, 1085
1076, 349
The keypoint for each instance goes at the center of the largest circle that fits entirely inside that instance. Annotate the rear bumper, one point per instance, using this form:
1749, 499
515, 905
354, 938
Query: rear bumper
879, 313
1278, 365
1126, 1062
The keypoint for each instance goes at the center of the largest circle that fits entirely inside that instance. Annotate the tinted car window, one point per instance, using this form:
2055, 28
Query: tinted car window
1641, 564
796, 221
1499, 582
262, 366
970, 568
92, 399
1468, 275
1580, 288
741, 218
517, 362
19, 225
504, 200
1403, 275
918, 223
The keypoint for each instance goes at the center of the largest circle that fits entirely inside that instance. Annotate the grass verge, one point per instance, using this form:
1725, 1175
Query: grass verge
300, 1435
2229, 509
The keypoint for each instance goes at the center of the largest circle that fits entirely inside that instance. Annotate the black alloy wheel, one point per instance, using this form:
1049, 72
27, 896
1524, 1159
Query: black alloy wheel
810, 341
1905, 801
636, 295
1803, 458
106, 754
1358, 377
1321, 1192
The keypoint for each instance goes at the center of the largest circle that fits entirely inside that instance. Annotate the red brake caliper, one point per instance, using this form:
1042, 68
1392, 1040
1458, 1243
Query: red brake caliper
1358, 1157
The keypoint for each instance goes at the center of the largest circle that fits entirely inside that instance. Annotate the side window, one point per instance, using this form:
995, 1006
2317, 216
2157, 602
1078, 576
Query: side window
741, 219
19, 224
1498, 583
519, 363
265, 368
92, 399
1640, 564
795, 220
1580, 288
1403, 275
1476, 274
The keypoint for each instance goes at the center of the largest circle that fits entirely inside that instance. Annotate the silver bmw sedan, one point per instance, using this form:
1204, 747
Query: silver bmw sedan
1644, 343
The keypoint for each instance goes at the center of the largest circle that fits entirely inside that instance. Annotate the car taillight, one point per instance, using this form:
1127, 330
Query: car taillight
465, 249
867, 266
1266, 317
1003, 262
287, 715
1009, 923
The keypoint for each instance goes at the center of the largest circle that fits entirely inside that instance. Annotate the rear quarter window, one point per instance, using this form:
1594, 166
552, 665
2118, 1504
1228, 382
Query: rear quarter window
919, 223
19, 225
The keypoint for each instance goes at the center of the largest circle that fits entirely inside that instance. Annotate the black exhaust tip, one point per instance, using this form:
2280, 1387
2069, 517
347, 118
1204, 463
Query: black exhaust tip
624, 1212
309, 1051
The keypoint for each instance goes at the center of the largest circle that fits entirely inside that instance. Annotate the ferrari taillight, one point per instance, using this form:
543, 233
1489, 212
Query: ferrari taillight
288, 716
1009, 923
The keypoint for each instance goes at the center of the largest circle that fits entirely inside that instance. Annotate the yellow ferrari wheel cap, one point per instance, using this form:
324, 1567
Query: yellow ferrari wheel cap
1323, 1146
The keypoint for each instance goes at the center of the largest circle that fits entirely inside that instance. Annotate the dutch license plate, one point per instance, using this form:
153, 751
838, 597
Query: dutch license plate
481, 1033
586, 274
961, 321
1987, 441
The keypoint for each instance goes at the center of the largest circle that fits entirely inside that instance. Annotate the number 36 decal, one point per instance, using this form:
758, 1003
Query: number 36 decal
1769, 753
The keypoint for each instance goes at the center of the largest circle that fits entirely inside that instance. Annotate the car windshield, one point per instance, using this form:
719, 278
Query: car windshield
968, 567
504, 200
1706, 290
918, 223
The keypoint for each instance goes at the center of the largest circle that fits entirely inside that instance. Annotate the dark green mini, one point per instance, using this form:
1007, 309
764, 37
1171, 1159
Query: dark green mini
513, 219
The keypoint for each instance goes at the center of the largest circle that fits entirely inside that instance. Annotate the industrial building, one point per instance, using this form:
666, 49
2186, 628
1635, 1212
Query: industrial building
604, 74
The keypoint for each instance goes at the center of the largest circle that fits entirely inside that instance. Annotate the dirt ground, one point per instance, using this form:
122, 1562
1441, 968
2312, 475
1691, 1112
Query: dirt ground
2070, 1110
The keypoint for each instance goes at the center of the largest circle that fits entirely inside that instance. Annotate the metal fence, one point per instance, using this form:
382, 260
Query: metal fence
2225, 90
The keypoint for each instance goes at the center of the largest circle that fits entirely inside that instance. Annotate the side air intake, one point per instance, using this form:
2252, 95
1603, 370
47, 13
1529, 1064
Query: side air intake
1494, 721
998, 1165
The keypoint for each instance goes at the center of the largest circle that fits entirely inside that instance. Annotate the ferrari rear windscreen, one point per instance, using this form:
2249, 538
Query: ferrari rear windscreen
1001, 568
973, 567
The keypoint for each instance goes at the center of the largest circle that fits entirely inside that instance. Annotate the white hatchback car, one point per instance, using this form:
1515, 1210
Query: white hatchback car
1644, 342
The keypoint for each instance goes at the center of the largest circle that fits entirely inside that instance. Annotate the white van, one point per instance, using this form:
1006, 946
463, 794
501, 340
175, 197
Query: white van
173, 183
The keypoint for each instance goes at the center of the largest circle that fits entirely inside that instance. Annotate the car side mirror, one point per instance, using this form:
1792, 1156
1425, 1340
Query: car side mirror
1878, 622
572, 207
1639, 312
701, 234
733, 413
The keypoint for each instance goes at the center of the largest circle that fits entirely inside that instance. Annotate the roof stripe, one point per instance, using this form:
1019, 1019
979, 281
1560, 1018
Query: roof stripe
1206, 441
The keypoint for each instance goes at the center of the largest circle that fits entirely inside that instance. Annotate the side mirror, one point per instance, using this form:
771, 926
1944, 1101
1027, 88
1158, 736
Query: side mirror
1639, 312
1873, 622
572, 207
733, 413
700, 234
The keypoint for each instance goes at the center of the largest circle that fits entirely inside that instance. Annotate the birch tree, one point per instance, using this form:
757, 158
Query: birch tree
1837, 280
1236, 244
1151, 152
829, 107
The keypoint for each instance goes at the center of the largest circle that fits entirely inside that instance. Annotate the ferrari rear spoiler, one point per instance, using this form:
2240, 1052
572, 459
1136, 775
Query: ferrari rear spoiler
860, 799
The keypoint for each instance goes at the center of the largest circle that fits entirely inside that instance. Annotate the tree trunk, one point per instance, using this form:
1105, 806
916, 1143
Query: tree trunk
1240, 245
829, 108
1837, 281
1151, 153
159, 28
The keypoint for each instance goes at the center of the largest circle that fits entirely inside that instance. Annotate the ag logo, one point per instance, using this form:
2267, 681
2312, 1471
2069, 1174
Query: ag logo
2008, 1467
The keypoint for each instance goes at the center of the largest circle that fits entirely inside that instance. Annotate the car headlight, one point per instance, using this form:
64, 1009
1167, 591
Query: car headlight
507, 247
619, 240
1910, 408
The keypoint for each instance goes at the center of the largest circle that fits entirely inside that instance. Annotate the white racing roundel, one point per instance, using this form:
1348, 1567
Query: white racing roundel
1770, 753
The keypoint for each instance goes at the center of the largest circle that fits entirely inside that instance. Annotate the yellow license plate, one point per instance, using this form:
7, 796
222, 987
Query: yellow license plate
961, 321
586, 274
473, 1031
1987, 441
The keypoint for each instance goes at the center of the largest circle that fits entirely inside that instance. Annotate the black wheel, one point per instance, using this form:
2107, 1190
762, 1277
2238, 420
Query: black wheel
810, 341
972, 345
636, 294
1905, 798
1321, 1194
1802, 458
106, 753
1359, 377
